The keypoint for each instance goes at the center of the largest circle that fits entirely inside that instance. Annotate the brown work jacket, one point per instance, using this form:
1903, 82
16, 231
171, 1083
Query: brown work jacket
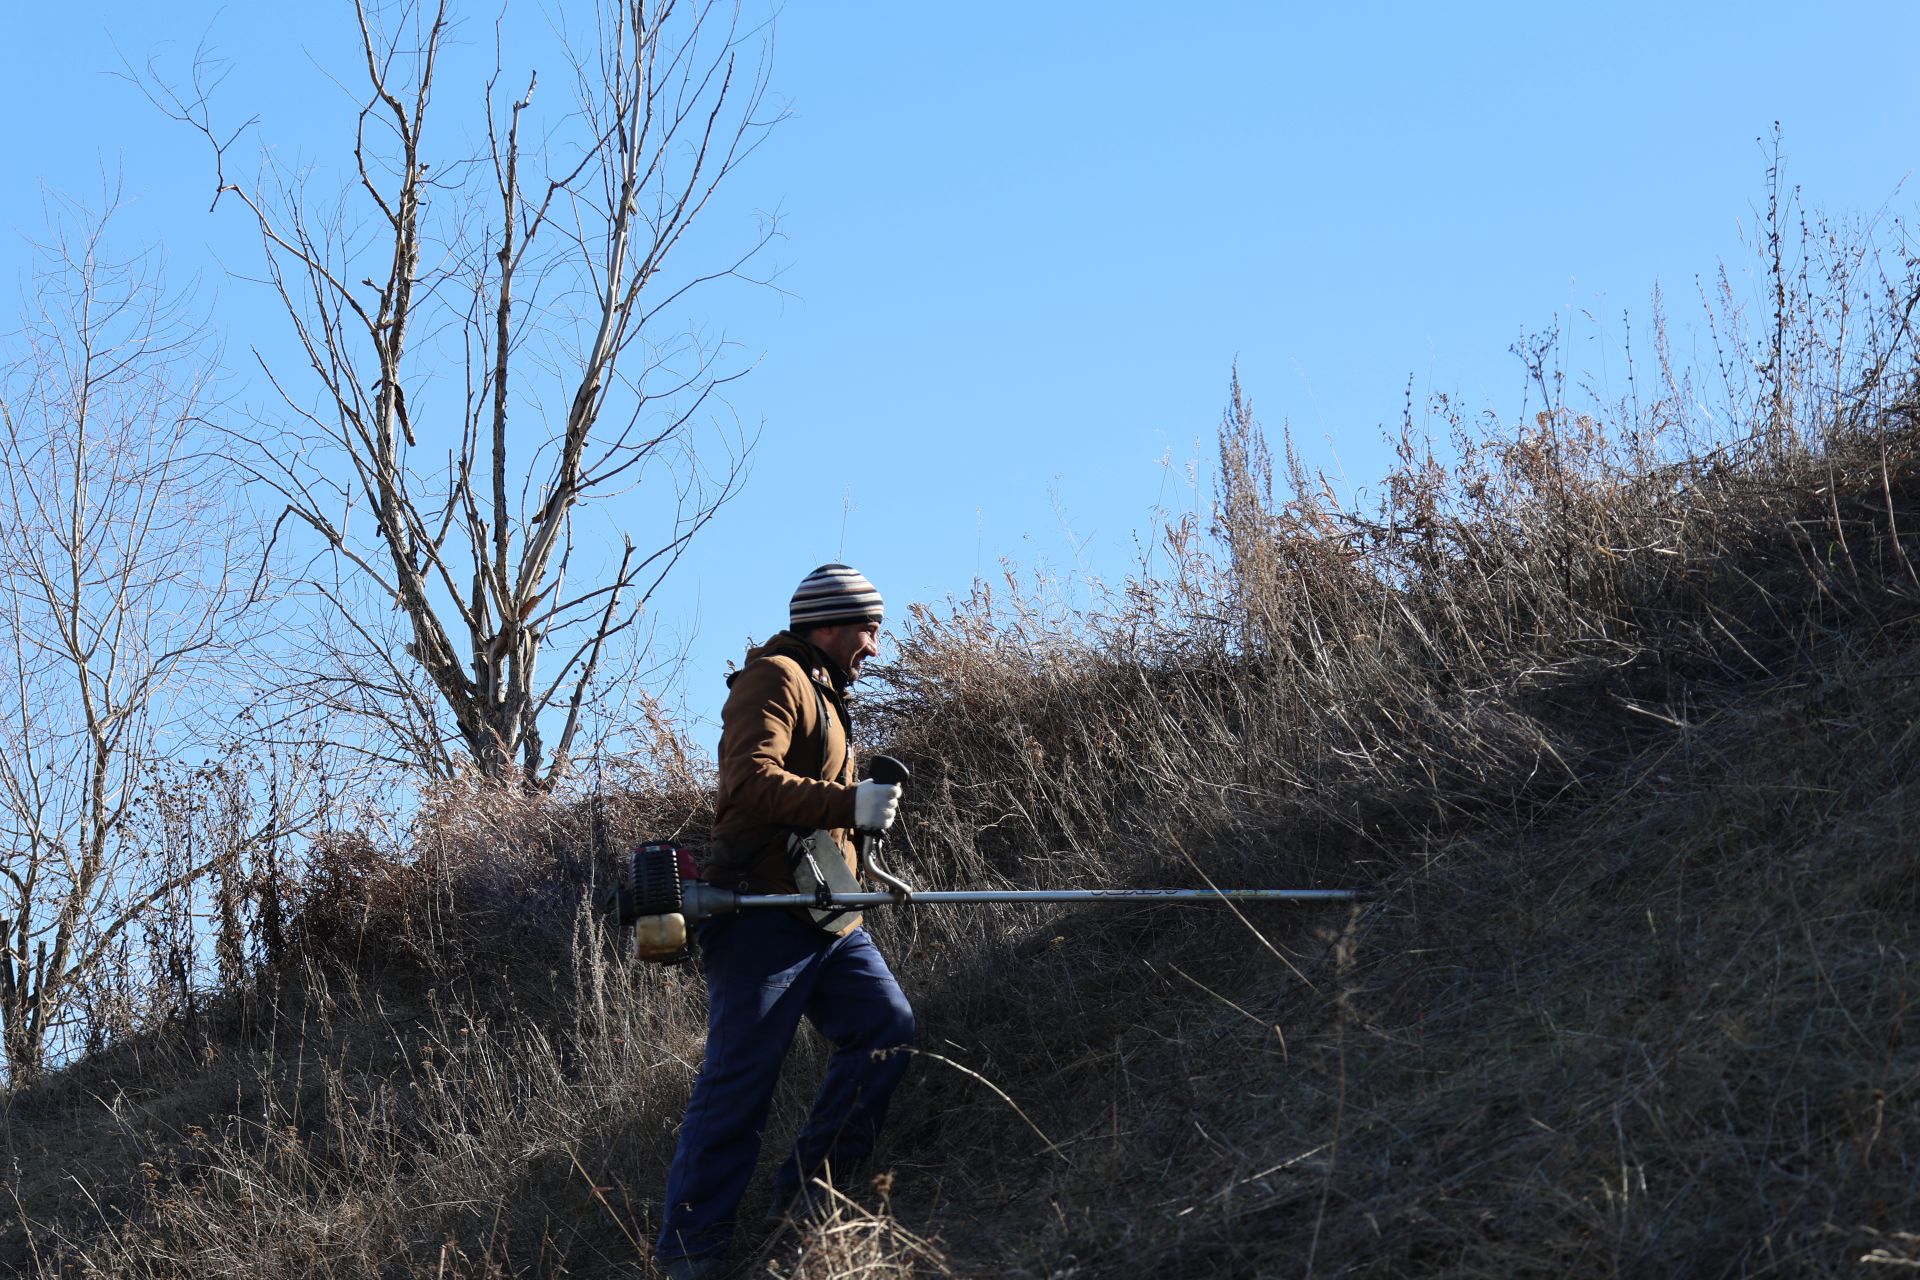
771, 766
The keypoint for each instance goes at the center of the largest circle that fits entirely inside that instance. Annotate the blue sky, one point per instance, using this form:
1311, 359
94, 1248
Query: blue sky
1025, 244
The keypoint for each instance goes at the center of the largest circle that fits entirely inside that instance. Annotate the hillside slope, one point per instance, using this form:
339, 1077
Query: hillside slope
1662, 1032
1622, 750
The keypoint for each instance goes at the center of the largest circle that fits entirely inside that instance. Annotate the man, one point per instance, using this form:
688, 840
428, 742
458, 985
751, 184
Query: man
786, 767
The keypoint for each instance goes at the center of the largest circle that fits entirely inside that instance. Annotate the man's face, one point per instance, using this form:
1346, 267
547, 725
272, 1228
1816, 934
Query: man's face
850, 644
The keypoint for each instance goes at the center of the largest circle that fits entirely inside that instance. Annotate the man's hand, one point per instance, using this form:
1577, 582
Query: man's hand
875, 804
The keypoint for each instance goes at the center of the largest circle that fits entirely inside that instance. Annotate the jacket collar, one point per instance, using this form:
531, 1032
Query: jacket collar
821, 668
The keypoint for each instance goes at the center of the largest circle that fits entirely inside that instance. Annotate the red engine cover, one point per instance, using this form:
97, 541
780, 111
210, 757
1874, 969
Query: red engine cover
688, 871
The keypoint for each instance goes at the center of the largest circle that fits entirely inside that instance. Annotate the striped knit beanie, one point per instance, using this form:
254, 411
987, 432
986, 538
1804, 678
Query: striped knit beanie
833, 594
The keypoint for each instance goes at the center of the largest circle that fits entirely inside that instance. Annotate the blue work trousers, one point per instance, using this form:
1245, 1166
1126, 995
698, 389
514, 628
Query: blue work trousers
765, 969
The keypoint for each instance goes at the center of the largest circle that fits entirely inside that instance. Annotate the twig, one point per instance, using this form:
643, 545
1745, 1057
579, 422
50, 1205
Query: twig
599, 1195
969, 1071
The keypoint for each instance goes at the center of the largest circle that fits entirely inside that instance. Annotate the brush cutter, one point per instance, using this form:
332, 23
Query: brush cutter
661, 891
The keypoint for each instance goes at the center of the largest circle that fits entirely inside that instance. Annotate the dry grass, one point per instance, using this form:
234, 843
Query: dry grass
848, 1239
1663, 1034
1615, 715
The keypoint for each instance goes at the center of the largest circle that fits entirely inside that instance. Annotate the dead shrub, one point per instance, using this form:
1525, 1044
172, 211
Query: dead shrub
849, 1240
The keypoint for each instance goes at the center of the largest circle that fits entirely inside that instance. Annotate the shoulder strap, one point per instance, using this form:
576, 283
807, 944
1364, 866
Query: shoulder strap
821, 696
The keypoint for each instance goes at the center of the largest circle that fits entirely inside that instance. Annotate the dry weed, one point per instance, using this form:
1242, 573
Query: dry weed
848, 1241
1613, 711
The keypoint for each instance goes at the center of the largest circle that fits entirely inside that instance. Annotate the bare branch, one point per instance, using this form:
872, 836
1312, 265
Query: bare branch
554, 287
118, 586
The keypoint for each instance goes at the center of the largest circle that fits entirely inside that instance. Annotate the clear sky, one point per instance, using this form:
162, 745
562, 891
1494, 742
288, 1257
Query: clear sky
1025, 243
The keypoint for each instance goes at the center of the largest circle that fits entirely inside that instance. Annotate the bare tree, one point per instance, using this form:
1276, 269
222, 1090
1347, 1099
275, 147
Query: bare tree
120, 592
478, 360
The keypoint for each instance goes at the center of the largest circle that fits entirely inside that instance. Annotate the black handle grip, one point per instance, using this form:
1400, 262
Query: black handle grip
886, 769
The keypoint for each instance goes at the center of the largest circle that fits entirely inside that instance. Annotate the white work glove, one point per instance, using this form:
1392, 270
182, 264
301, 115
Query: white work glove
875, 804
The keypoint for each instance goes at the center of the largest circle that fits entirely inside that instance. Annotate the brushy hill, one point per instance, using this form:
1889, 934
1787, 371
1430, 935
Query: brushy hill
1614, 716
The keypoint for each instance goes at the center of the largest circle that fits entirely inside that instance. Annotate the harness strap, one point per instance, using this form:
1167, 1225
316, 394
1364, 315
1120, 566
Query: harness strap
820, 696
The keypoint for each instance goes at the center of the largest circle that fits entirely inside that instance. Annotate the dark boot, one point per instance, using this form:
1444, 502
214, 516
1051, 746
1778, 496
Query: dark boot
809, 1204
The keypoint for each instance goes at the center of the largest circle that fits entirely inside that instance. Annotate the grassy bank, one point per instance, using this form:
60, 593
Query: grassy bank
1611, 711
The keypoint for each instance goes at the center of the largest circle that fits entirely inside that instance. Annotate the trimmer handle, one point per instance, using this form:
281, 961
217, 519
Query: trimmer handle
887, 770
890, 772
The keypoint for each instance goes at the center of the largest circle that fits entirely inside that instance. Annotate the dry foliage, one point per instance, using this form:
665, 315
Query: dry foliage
1614, 713
847, 1239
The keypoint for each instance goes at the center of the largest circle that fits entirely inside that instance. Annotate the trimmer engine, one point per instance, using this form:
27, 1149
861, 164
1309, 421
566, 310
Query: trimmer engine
650, 897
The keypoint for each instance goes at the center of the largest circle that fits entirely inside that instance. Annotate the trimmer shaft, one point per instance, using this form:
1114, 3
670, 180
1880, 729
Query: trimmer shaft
660, 879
